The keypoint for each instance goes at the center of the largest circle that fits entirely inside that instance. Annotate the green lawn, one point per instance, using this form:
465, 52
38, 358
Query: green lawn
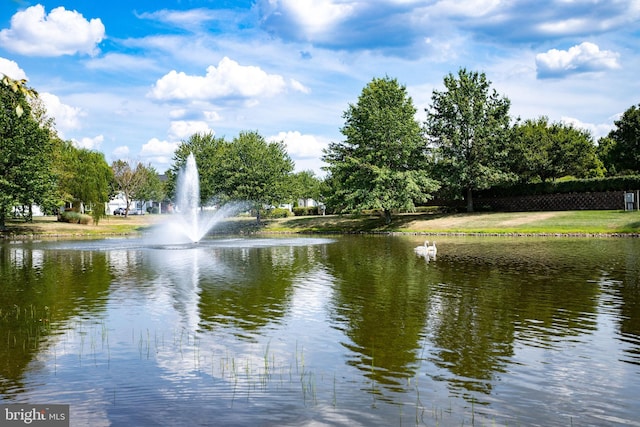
566, 222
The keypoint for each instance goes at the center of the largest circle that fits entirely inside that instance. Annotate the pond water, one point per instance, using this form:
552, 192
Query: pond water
314, 331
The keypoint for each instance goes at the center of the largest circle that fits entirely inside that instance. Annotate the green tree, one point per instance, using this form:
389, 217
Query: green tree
547, 151
382, 162
25, 151
152, 186
305, 185
127, 180
468, 126
84, 178
623, 145
256, 171
139, 183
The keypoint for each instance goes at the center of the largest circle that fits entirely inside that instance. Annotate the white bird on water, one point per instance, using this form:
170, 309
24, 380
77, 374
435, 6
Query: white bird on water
427, 249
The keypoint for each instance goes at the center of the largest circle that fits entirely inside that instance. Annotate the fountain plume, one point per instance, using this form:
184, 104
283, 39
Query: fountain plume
190, 223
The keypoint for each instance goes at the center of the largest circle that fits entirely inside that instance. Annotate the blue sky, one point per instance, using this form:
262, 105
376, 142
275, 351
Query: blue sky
133, 79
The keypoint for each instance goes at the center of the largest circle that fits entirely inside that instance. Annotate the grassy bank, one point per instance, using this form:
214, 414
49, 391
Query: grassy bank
543, 223
566, 222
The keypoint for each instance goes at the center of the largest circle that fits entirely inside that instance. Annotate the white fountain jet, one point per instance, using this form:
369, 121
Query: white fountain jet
188, 199
190, 223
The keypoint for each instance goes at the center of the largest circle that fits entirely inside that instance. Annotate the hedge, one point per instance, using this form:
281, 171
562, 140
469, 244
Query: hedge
616, 183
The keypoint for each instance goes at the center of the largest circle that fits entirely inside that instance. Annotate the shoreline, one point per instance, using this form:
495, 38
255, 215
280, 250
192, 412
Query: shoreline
586, 224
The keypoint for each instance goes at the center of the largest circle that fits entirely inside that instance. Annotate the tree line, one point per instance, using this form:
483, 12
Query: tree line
37, 167
387, 161
468, 142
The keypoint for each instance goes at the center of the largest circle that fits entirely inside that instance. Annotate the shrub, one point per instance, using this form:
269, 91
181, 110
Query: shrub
276, 213
616, 183
303, 211
74, 218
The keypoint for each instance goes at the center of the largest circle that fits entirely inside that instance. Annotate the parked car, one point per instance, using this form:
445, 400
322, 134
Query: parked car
119, 211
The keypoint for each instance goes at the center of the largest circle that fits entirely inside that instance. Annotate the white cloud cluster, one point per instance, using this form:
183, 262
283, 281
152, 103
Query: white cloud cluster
585, 57
67, 117
597, 130
183, 129
301, 146
61, 32
318, 17
89, 143
12, 69
228, 80
158, 152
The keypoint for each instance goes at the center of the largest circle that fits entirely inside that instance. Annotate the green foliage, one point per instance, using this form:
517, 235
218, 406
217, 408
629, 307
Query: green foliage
83, 177
382, 163
25, 150
305, 211
621, 148
276, 213
256, 171
305, 185
247, 169
468, 126
548, 151
141, 183
73, 217
618, 183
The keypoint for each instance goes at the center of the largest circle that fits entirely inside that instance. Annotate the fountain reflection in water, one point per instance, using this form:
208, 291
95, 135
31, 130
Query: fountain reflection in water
190, 223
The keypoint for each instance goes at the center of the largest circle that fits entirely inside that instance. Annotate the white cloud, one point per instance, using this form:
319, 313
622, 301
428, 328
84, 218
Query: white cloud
121, 152
299, 145
597, 130
585, 57
89, 143
183, 129
305, 150
470, 8
62, 32
318, 16
296, 85
10, 68
212, 116
155, 147
228, 80
118, 61
67, 117
177, 113
159, 153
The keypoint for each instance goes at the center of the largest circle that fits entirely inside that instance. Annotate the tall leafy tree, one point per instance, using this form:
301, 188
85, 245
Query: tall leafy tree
382, 163
546, 151
256, 171
152, 187
468, 125
25, 150
621, 150
84, 178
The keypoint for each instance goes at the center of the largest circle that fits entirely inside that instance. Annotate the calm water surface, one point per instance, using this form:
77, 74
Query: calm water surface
307, 331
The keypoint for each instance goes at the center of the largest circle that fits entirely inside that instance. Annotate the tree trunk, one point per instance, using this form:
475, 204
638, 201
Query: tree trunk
387, 216
469, 200
258, 216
